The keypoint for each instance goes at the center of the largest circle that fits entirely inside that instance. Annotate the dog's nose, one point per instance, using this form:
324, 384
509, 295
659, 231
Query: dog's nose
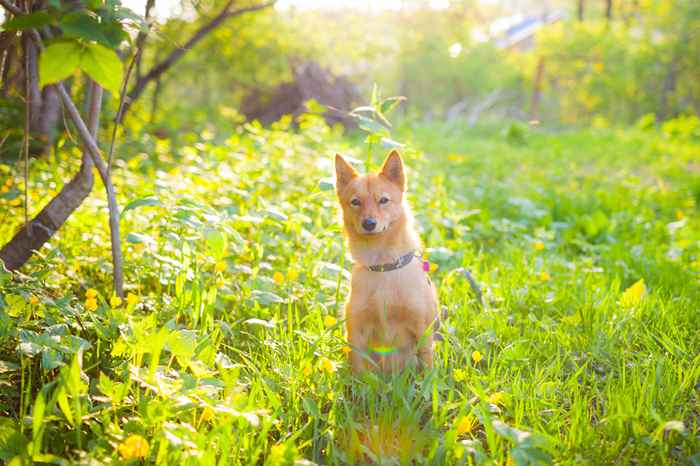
369, 224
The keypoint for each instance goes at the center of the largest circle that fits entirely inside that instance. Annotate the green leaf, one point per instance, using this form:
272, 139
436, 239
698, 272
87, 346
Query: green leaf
83, 25
58, 61
103, 66
62, 399
138, 238
32, 21
216, 242
150, 201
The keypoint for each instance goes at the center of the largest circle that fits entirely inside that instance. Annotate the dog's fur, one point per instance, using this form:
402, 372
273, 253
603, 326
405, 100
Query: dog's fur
392, 310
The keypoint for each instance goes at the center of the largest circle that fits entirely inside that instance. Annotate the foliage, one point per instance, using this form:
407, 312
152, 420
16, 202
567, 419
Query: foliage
229, 346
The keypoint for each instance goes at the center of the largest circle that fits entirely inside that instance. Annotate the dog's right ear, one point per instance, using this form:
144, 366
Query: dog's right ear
344, 173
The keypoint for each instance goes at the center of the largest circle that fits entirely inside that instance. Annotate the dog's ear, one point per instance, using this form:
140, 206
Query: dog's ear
392, 169
344, 173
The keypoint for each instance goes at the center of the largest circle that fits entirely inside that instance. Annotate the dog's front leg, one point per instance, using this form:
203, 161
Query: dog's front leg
358, 338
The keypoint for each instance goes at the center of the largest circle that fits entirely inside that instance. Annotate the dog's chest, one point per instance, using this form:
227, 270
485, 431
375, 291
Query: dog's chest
402, 289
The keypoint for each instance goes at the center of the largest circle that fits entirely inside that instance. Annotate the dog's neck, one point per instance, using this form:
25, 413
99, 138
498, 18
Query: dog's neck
397, 241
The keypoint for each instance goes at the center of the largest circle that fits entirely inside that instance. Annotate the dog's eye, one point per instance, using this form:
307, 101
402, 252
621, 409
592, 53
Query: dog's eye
383, 200
355, 202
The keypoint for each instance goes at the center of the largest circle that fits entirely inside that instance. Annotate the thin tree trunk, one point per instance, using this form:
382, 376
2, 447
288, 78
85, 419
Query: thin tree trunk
161, 67
581, 9
537, 89
21, 247
142, 36
608, 10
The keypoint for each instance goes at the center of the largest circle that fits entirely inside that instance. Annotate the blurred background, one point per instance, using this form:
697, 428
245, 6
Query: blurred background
558, 63
562, 62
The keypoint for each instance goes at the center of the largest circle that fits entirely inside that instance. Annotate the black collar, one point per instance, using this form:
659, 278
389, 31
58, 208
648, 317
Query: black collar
402, 261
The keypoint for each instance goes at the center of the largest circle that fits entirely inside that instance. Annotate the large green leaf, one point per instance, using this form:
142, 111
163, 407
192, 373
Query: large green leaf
58, 61
30, 21
82, 25
103, 66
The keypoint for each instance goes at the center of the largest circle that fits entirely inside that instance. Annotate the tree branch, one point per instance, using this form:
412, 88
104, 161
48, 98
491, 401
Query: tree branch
94, 152
176, 54
11, 8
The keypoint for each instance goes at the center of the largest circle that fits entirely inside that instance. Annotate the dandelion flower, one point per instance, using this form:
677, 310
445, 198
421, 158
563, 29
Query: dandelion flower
132, 299
460, 375
91, 293
347, 350
326, 365
115, 301
497, 398
292, 275
207, 414
33, 300
91, 304
477, 357
134, 447
329, 321
220, 266
306, 370
538, 245
466, 424
278, 277
544, 276
634, 294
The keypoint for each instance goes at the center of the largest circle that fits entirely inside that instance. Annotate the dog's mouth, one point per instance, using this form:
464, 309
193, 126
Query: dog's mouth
372, 232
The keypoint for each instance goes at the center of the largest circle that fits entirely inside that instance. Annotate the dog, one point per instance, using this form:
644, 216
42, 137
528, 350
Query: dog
392, 304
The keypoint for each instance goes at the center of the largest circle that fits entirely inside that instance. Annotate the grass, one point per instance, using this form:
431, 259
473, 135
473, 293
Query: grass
231, 349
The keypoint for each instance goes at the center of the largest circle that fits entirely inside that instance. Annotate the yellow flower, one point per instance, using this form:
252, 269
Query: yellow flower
4, 189
326, 365
292, 275
132, 299
347, 350
91, 293
306, 370
329, 321
115, 301
680, 215
538, 245
33, 300
544, 276
460, 375
9, 182
91, 304
634, 294
497, 398
278, 277
477, 357
15, 202
433, 266
207, 414
466, 424
220, 266
133, 447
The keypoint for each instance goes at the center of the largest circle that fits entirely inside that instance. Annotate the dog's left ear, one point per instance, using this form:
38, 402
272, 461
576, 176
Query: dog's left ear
392, 169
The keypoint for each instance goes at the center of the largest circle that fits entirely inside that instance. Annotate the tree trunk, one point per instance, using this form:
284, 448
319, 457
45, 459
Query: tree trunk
608, 10
581, 9
42, 227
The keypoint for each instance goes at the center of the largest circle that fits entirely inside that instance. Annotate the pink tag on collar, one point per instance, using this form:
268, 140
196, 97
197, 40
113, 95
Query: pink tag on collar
426, 266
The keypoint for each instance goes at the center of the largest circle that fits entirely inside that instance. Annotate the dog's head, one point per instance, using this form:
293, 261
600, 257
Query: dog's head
371, 203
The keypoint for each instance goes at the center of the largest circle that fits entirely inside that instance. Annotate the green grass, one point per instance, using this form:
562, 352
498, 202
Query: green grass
240, 363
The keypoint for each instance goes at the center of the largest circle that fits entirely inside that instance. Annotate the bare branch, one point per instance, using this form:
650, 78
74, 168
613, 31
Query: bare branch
11, 8
176, 54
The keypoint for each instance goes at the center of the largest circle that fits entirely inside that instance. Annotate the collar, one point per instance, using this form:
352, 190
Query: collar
401, 262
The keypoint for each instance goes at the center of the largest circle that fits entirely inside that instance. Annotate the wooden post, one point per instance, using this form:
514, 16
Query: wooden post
537, 89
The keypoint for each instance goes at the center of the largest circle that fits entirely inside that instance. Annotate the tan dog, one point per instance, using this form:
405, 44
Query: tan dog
392, 303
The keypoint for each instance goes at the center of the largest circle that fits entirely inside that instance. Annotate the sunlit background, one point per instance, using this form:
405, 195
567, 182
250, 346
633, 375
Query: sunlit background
560, 62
